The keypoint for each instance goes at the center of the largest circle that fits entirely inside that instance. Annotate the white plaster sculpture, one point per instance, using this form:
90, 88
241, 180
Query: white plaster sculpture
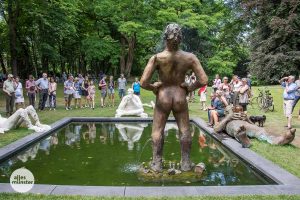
151, 105
29, 153
22, 116
130, 105
131, 133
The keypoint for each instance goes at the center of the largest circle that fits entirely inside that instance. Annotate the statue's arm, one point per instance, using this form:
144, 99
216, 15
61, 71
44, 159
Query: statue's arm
199, 72
147, 74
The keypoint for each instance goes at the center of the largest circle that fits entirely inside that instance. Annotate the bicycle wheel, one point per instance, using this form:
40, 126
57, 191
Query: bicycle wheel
253, 103
271, 107
260, 102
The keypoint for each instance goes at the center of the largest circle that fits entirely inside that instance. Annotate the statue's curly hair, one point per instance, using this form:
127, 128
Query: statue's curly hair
172, 31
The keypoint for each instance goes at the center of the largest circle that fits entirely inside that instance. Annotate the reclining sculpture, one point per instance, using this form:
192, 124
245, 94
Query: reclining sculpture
22, 116
237, 124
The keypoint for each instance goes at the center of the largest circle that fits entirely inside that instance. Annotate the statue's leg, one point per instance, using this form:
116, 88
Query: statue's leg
237, 129
183, 122
262, 135
222, 124
17, 118
31, 111
159, 121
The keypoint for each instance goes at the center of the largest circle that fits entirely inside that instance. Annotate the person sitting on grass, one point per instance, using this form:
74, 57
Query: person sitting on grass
103, 88
217, 110
91, 95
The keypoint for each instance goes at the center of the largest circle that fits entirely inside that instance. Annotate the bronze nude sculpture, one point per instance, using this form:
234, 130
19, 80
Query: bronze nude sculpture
172, 64
237, 124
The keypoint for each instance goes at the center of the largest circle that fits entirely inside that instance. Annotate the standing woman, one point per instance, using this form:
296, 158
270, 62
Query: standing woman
225, 87
19, 98
136, 86
31, 90
52, 93
111, 91
103, 88
84, 90
91, 94
243, 95
77, 94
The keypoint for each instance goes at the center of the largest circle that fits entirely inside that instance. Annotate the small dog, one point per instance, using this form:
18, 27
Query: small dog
260, 119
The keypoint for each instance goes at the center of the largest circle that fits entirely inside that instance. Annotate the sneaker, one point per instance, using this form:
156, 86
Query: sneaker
67, 108
70, 108
53, 108
50, 109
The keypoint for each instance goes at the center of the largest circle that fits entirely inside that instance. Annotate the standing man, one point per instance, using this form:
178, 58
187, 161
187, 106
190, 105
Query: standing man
122, 86
30, 87
9, 88
297, 95
43, 86
172, 64
288, 97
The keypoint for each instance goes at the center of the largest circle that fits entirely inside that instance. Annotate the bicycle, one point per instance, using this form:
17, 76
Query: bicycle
264, 100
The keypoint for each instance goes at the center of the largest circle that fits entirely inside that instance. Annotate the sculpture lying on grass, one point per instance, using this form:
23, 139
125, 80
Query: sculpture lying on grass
237, 124
21, 116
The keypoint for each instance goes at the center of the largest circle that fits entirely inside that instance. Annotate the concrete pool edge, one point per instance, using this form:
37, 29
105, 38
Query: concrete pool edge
288, 183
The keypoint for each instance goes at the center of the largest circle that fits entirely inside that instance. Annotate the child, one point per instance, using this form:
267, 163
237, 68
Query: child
52, 93
202, 94
91, 96
111, 91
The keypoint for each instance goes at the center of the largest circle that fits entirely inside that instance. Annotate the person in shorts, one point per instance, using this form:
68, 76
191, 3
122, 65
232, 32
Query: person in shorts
77, 93
68, 92
289, 96
111, 91
103, 90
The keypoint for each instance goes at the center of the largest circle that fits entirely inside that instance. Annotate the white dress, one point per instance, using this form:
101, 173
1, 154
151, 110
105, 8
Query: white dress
19, 94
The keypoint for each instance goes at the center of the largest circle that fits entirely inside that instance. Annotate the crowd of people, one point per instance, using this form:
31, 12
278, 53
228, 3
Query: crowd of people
238, 92
80, 90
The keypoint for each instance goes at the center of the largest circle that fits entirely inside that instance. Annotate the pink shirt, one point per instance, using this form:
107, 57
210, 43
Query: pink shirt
30, 86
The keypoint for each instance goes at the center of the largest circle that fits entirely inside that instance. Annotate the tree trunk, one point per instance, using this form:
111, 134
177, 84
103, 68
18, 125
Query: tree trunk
123, 54
4, 71
12, 36
131, 44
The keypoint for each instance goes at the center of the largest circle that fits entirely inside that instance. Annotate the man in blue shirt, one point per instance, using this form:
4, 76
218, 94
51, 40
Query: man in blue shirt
289, 95
43, 86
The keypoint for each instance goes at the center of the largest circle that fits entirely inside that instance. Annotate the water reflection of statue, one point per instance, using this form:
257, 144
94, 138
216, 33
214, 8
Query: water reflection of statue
131, 133
22, 116
29, 153
131, 105
172, 65
237, 124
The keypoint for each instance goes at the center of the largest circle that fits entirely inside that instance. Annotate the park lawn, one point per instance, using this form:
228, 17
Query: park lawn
285, 156
8, 196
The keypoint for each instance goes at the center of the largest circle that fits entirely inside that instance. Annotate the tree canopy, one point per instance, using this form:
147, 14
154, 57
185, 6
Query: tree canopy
119, 36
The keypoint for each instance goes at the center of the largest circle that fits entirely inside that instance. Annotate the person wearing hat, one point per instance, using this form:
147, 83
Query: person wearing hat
9, 89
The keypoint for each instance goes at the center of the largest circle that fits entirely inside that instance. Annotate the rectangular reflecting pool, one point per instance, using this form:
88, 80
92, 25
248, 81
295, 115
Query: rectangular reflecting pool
109, 154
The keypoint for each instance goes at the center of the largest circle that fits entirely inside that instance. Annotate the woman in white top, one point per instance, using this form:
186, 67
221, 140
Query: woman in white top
216, 83
243, 95
235, 84
226, 88
19, 101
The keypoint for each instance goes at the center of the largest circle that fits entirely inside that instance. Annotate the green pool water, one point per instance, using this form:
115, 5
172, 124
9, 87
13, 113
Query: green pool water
109, 154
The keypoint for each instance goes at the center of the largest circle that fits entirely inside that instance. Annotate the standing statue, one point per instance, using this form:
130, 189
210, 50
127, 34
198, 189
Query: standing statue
22, 116
238, 125
172, 65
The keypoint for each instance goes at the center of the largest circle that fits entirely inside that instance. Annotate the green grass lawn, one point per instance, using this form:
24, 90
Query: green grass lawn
7, 196
285, 156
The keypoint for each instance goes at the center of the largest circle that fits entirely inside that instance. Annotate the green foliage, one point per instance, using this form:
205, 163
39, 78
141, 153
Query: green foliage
275, 47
